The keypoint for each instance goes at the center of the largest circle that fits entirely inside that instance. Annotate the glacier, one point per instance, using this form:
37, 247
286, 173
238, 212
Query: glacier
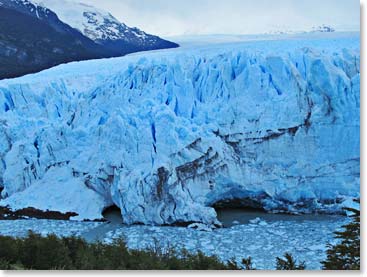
168, 135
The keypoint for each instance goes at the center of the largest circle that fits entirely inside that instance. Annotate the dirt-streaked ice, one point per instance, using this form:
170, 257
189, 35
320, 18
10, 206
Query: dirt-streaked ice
166, 135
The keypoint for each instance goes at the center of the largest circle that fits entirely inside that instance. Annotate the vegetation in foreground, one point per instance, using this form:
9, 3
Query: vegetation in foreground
45, 253
346, 254
288, 263
72, 253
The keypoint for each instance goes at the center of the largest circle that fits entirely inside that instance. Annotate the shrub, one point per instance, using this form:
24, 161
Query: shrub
4, 264
8, 250
44, 253
51, 252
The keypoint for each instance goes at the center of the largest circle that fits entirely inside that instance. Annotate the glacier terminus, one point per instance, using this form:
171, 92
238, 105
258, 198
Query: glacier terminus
169, 135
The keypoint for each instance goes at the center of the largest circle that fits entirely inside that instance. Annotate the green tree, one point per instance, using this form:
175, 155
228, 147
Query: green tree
4, 264
289, 263
45, 253
8, 250
346, 254
48, 253
245, 264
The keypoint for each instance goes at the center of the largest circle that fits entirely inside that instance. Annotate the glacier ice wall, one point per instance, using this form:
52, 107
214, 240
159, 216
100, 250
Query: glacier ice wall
169, 135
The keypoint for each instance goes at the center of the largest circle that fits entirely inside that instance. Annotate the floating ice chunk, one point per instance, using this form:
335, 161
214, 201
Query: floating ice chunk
201, 227
257, 220
351, 203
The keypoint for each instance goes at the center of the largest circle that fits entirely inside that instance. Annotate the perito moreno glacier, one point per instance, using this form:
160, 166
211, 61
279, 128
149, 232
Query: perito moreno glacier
168, 135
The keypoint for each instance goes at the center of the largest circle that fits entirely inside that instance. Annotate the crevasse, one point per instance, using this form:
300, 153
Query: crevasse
166, 136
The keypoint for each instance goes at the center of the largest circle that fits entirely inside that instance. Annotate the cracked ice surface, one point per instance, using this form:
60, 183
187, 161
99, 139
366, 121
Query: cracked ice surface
166, 135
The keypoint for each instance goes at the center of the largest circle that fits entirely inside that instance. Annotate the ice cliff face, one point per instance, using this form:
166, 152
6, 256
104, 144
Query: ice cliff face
167, 136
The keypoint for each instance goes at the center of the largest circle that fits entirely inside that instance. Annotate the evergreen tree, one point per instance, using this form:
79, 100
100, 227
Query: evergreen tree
247, 263
289, 263
346, 254
50, 253
4, 265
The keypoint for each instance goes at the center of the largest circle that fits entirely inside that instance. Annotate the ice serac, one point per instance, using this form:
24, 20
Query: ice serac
168, 136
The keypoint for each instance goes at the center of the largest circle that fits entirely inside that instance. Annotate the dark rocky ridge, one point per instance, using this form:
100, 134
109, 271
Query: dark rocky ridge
33, 38
28, 44
7, 214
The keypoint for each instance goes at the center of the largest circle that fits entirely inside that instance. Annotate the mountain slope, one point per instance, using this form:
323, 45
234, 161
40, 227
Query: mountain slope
167, 136
26, 49
33, 38
103, 28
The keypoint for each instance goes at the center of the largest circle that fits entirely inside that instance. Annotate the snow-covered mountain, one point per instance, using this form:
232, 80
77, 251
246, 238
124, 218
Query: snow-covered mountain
33, 37
103, 28
167, 136
318, 29
27, 7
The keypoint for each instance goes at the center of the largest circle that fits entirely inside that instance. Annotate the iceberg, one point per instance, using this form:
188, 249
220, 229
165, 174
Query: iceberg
168, 135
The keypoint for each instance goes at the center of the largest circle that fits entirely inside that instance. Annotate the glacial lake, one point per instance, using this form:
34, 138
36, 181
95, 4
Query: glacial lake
246, 233
231, 217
